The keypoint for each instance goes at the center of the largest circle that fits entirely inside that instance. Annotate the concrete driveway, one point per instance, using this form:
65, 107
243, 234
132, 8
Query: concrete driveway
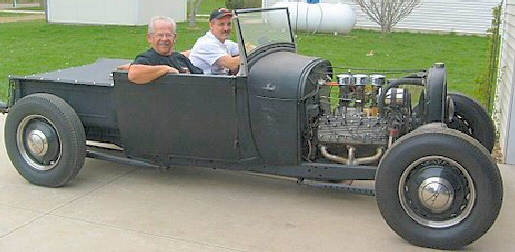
111, 207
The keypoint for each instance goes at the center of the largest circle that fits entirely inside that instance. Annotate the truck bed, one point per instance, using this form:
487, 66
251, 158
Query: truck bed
96, 74
88, 89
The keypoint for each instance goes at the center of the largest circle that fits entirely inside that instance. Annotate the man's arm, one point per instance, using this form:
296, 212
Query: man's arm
186, 53
143, 74
232, 63
124, 66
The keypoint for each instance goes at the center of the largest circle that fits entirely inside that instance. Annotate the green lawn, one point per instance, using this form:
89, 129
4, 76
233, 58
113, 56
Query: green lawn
464, 56
40, 8
36, 47
209, 5
6, 14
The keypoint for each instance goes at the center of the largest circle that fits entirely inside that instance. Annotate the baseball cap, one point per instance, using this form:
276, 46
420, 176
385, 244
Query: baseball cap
222, 12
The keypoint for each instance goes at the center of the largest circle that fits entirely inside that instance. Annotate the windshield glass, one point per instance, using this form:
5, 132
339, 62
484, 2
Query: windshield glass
261, 27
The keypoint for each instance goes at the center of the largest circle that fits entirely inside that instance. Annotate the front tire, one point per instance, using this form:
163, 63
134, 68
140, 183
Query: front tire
45, 140
438, 188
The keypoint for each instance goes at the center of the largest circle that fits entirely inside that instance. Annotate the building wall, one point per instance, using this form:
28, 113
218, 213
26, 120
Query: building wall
113, 12
505, 105
459, 16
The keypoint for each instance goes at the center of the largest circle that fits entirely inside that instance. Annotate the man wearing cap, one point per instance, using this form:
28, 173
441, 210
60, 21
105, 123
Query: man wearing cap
214, 53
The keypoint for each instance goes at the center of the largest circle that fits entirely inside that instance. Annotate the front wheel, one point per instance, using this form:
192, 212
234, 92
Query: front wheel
45, 140
438, 188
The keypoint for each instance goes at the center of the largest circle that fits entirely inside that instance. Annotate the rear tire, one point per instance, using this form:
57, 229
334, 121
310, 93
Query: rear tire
471, 118
45, 140
438, 188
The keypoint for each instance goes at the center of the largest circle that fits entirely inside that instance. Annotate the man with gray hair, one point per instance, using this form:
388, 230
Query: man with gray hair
161, 59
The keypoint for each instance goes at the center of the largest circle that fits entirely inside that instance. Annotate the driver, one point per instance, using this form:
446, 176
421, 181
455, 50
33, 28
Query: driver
214, 53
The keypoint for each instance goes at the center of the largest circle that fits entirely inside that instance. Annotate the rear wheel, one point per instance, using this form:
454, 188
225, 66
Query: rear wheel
438, 188
472, 119
45, 140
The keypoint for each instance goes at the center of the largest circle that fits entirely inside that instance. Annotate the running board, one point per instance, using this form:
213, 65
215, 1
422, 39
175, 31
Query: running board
370, 191
116, 158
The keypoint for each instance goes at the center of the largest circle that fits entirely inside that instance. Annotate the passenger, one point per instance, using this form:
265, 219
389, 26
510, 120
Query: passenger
161, 59
214, 53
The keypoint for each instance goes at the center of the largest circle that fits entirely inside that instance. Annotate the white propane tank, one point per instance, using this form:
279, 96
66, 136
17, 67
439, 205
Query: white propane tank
320, 17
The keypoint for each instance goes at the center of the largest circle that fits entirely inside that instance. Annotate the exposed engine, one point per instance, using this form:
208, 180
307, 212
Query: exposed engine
361, 116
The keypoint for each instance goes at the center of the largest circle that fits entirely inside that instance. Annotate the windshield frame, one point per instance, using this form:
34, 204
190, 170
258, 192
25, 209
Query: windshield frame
289, 44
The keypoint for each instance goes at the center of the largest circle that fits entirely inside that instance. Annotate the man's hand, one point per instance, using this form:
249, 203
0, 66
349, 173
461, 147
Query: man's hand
124, 66
249, 47
172, 70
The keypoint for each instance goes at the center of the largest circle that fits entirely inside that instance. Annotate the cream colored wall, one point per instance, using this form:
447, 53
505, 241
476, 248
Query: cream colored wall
113, 12
505, 92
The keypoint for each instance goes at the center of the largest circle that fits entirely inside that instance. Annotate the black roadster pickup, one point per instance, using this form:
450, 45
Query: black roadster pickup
286, 114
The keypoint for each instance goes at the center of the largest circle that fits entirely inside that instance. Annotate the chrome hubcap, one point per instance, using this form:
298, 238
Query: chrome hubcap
39, 143
436, 193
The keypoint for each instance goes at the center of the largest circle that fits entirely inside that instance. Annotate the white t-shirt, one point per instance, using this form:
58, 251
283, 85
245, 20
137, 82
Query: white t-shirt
208, 49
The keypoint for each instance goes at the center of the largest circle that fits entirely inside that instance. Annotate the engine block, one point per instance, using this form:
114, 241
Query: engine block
352, 128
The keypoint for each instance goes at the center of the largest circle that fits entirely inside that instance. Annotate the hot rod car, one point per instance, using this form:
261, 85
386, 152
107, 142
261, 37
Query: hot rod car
286, 114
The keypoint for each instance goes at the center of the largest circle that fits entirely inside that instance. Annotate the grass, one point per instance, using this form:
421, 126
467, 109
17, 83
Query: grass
6, 14
208, 6
37, 47
464, 56
39, 8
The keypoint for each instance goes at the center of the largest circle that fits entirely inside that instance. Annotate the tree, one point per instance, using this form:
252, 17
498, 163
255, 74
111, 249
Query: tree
387, 13
241, 4
193, 7
42, 3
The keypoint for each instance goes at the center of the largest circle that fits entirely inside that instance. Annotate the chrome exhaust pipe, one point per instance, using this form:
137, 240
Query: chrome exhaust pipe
351, 160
